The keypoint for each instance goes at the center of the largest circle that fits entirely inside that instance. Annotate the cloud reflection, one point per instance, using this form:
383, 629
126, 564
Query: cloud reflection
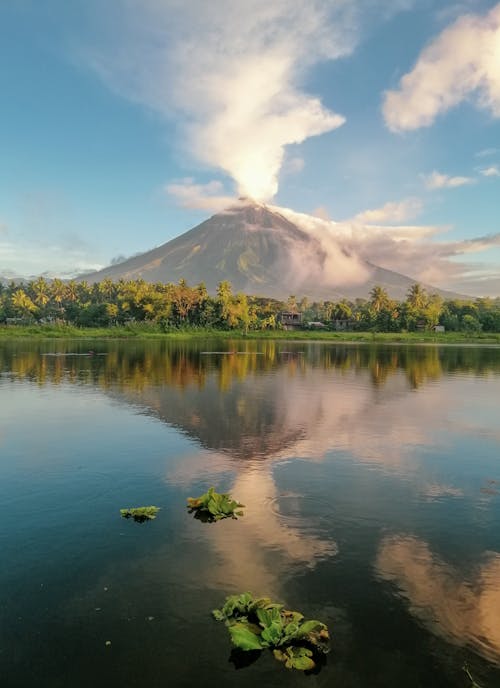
463, 611
259, 553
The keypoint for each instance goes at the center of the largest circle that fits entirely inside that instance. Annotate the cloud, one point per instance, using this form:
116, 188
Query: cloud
462, 63
436, 180
3, 228
232, 72
321, 212
293, 165
487, 152
413, 250
26, 257
394, 211
208, 196
492, 171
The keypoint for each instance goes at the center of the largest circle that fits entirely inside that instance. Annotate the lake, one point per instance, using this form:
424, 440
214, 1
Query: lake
371, 479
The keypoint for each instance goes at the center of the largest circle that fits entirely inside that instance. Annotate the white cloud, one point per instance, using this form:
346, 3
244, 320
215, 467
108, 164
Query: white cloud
208, 196
462, 63
412, 250
321, 212
392, 212
232, 72
487, 152
492, 171
436, 180
293, 165
26, 257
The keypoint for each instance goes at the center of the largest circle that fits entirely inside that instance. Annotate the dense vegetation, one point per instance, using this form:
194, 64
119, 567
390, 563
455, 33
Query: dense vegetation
178, 306
255, 624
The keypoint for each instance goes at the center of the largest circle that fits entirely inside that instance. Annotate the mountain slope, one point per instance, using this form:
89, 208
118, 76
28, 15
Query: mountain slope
263, 252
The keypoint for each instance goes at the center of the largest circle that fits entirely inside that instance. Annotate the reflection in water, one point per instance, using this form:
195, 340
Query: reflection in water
461, 611
263, 407
439, 491
266, 405
384, 436
261, 532
133, 364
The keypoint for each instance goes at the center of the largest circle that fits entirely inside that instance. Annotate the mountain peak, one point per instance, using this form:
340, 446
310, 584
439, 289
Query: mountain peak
263, 250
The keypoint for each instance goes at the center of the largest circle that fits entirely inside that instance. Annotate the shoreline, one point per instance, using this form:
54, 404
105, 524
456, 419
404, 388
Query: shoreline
11, 332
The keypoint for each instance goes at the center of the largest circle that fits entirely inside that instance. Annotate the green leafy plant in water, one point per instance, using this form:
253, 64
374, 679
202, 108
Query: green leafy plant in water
257, 624
140, 514
295, 658
212, 506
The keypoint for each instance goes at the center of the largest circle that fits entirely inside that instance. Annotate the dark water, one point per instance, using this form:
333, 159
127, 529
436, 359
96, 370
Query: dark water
372, 483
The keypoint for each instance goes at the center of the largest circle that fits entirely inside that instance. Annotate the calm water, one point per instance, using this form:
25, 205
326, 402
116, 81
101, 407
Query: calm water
372, 483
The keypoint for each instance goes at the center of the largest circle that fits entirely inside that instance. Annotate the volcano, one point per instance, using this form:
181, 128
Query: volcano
264, 251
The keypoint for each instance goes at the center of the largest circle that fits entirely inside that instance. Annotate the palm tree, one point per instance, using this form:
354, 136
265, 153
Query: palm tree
22, 303
40, 290
417, 296
379, 298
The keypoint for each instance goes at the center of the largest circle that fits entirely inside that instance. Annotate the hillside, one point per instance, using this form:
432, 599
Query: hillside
261, 251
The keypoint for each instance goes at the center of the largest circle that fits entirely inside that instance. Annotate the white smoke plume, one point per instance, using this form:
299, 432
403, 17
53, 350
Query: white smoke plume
413, 250
233, 71
462, 63
391, 212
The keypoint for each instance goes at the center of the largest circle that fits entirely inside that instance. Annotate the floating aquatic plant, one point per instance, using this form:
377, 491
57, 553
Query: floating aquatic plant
257, 624
140, 513
212, 506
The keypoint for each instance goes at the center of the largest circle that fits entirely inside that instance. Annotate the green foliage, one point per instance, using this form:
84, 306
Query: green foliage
140, 513
126, 306
257, 624
212, 506
295, 658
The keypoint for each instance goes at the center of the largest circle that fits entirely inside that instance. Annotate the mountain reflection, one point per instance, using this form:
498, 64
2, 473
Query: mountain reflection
262, 400
463, 611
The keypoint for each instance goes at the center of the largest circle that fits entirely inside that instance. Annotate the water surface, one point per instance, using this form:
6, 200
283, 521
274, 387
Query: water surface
371, 477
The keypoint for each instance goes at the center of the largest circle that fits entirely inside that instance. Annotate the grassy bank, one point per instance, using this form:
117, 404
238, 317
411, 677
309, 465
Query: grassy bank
152, 331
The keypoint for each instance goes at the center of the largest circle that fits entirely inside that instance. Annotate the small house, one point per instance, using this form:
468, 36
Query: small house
290, 320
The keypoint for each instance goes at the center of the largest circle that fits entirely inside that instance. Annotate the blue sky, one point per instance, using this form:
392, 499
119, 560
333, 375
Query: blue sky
123, 126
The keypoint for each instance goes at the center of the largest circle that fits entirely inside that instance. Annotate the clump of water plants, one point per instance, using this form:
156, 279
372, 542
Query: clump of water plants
257, 624
212, 506
140, 514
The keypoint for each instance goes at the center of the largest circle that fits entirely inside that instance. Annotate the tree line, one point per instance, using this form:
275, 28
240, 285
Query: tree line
179, 305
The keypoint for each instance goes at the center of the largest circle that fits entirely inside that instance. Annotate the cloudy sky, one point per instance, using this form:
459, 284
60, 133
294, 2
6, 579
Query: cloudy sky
125, 123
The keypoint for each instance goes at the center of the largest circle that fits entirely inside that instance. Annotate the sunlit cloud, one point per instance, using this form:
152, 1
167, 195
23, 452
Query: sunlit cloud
492, 171
436, 180
460, 64
414, 250
208, 196
391, 212
233, 73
